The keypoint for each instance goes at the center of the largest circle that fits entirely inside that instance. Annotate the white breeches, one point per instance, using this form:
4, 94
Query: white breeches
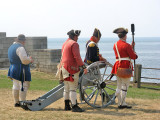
16, 90
17, 85
70, 90
121, 91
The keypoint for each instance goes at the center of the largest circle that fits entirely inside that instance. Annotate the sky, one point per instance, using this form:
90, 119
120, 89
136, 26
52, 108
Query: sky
54, 18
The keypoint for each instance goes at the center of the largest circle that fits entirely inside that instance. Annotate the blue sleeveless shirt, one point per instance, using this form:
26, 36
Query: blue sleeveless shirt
17, 70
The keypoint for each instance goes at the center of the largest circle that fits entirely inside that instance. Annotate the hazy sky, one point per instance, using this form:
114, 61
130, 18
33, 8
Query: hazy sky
54, 18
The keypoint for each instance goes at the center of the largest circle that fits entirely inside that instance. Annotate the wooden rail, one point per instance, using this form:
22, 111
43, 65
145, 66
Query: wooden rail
137, 75
151, 78
151, 68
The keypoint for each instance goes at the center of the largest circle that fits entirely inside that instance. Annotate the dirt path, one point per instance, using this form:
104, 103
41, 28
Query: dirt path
142, 110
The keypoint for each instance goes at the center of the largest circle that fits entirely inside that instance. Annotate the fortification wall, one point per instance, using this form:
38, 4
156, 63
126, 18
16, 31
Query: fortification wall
3, 50
44, 59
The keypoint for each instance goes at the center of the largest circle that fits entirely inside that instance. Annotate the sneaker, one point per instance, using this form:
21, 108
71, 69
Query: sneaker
17, 105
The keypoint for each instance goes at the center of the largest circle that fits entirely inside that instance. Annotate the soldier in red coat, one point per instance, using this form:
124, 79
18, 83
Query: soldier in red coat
71, 66
124, 53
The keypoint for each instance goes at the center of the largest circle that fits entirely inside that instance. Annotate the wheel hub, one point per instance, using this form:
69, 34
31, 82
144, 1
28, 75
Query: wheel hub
103, 85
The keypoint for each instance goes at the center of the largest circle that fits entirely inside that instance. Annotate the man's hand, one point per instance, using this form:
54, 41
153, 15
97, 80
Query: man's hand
85, 71
133, 44
61, 81
31, 59
102, 58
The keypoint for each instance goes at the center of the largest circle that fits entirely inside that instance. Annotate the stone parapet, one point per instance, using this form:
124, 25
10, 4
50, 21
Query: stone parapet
45, 60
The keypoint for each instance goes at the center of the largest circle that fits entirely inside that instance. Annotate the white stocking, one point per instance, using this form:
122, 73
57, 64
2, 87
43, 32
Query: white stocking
15, 95
123, 96
73, 96
66, 95
23, 95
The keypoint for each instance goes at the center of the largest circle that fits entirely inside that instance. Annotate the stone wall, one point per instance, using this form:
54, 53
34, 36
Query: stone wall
44, 59
3, 50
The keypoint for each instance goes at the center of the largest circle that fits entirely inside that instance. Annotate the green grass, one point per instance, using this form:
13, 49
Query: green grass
40, 81
44, 81
143, 93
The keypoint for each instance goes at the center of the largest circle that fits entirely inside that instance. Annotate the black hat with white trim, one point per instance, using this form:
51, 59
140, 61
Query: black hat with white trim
74, 32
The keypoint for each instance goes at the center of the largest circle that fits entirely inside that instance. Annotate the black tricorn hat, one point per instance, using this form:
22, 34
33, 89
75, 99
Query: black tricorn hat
97, 33
120, 30
74, 32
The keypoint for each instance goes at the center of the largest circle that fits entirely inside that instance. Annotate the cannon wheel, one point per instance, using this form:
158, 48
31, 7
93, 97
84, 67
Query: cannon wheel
96, 87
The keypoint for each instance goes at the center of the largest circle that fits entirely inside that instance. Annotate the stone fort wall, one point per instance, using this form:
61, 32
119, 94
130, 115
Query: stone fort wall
45, 60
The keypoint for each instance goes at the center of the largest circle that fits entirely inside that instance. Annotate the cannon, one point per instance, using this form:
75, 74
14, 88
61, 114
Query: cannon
96, 88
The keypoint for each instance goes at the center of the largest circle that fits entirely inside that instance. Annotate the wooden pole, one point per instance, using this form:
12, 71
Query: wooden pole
132, 30
137, 74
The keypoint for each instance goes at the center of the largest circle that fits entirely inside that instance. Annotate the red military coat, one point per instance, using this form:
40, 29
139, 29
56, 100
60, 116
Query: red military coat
125, 50
71, 59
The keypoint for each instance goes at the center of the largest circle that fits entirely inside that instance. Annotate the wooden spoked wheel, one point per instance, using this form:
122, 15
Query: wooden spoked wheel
96, 87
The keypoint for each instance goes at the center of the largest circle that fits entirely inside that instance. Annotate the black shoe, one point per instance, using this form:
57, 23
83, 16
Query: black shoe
124, 106
103, 97
17, 105
121, 107
67, 105
76, 108
128, 107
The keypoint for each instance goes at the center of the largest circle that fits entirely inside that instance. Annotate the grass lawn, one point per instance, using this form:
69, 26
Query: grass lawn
45, 82
40, 81
145, 103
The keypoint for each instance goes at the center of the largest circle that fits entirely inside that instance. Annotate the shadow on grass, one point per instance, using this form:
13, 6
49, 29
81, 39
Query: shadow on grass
52, 109
146, 110
110, 110
91, 110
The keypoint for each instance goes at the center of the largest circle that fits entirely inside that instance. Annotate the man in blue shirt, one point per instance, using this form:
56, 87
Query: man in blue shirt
19, 70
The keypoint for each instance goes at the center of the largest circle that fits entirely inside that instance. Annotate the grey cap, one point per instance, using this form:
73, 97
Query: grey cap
21, 37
